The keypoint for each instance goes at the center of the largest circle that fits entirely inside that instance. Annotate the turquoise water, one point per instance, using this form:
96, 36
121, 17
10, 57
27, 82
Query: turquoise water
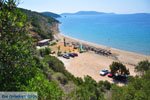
125, 32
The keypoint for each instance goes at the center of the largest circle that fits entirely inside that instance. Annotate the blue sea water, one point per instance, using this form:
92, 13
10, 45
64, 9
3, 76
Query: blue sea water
126, 32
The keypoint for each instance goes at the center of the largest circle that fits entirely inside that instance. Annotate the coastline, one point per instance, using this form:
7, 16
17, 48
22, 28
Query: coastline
126, 57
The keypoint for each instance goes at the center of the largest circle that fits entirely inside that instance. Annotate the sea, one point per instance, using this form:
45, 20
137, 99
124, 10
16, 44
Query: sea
130, 32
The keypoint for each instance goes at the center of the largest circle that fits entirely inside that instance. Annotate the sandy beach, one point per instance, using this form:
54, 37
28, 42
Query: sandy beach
91, 64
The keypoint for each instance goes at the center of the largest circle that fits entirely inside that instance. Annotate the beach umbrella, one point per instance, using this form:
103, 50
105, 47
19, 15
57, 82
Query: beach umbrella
80, 47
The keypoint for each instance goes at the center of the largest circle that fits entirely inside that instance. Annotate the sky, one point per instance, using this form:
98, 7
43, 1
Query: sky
63, 6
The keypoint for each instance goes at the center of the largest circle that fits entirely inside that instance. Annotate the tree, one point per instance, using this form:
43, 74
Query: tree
119, 69
54, 63
88, 90
45, 51
137, 89
64, 41
59, 52
46, 90
143, 66
17, 66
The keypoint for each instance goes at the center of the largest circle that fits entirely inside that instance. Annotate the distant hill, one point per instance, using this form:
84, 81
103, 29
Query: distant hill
141, 14
50, 14
86, 13
98, 13
41, 26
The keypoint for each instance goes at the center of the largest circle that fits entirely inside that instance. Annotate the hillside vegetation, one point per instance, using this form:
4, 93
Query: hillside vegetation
50, 14
40, 26
23, 68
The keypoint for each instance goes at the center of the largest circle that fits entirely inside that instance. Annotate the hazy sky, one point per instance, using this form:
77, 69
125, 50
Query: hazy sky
61, 6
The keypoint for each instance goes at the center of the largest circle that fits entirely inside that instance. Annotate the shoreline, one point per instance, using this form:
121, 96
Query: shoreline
126, 57
102, 46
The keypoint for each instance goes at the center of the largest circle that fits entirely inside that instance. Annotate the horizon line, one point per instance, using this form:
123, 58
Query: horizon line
87, 11
96, 11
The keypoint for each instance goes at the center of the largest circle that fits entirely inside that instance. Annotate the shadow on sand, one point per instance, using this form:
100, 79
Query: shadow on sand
117, 82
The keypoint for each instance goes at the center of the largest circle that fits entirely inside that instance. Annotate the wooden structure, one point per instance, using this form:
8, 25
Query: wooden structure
43, 42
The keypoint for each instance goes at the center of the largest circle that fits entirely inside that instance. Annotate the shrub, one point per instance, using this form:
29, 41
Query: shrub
137, 89
45, 51
53, 44
103, 85
107, 85
59, 53
89, 80
143, 66
78, 81
46, 90
17, 65
58, 66
88, 91
61, 78
54, 63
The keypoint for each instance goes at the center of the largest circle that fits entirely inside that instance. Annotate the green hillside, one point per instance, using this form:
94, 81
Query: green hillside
41, 26
26, 69
50, 14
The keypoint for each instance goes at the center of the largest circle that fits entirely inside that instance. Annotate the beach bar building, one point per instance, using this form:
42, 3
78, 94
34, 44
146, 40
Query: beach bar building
43, 42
